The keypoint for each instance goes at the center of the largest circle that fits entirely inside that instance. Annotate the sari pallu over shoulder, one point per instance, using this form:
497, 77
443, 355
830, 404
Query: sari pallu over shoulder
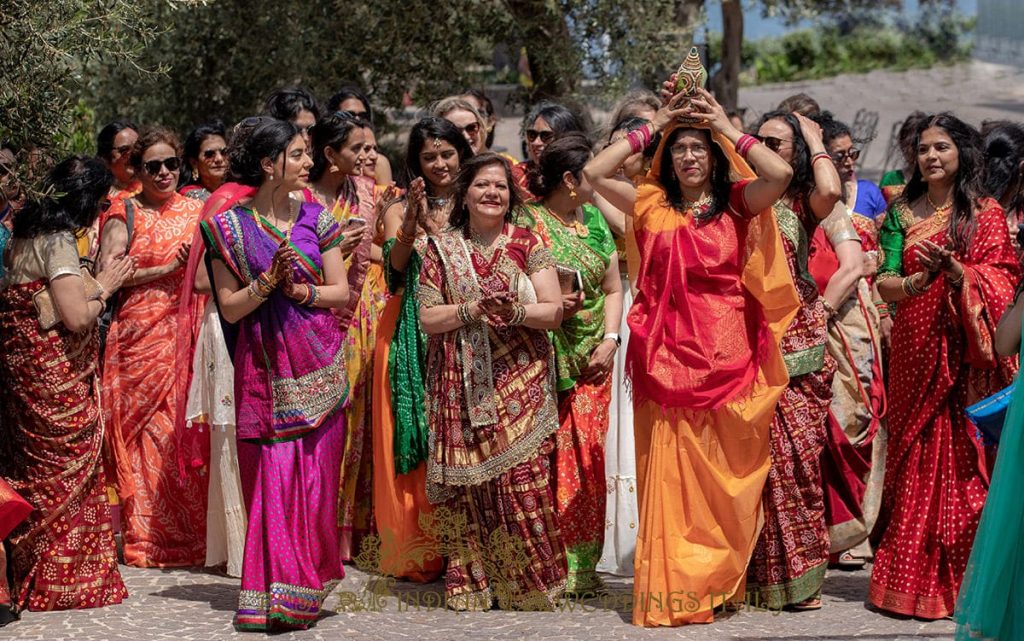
492, 400
286, 384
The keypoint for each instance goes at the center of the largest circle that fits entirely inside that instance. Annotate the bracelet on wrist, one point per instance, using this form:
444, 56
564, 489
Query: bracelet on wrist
612, 336
818, 156
744, 144
959, 280
405, 238
830, 311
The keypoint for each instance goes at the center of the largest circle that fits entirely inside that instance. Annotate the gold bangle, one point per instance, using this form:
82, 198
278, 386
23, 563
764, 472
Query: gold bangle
406, 239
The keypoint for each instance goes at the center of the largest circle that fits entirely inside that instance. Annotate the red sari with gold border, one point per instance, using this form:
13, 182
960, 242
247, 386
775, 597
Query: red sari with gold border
942, 361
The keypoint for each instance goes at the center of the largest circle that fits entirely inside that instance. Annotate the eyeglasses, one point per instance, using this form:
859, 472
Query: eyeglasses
472, 128
679, 151
153, 166
772, 142
210, 153
852, 153
545, 136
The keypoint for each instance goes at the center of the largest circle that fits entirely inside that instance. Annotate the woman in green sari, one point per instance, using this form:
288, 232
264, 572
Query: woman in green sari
991, 604
585, 346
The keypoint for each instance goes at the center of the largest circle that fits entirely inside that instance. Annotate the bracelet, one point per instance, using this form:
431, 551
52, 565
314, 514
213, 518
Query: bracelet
254, 292
818, 156
464, 315
959, 280
316, 295
830, 311
639, 139
518, 315
404, 238
910, 289
744, 144
612, 336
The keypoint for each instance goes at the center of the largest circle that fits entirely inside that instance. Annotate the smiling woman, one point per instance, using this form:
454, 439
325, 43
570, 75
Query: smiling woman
163, 515
206, 161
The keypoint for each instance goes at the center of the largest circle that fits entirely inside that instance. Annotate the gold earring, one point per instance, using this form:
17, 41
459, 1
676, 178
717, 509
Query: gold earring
572, 193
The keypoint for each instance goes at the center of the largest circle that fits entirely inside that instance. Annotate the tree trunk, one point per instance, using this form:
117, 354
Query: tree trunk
726, 82
554, 61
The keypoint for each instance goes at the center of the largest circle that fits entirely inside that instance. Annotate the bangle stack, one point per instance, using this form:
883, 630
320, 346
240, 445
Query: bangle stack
262, 287
464, 315
745, 144
883, 309
312, 296
639, 139
818, 156
910, 289
405, 239
518, 315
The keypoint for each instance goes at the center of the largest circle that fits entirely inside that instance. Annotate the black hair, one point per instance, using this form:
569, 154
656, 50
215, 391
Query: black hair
568, 153
74, 189
330, 131
802, 184
558, 117
967, 187
105, 139
906, 137
346, 92
429, 128
721, 186
831, 128
286, 103
1004, 153
459, 218
268, 139
193, 142
632, 123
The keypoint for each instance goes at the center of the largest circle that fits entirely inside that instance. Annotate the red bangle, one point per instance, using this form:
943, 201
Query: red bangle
744, 144
818, 156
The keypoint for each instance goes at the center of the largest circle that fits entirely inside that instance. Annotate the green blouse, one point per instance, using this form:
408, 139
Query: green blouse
590, 254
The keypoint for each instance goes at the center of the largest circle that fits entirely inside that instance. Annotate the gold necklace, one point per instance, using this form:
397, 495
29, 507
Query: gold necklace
277, 223
575, 226
939, 208
487, 250
699, 208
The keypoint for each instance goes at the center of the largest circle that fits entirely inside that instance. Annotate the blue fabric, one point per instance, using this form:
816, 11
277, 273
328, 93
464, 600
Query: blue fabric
5, 235
991, 601
870, 202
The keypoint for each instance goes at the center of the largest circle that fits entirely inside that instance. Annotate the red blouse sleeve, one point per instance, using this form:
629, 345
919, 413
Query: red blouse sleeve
738, 201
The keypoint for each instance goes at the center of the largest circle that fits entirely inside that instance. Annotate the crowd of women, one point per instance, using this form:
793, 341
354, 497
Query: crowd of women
256, 351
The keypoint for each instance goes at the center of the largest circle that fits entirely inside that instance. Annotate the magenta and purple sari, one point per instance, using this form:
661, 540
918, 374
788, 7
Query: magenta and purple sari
290, 385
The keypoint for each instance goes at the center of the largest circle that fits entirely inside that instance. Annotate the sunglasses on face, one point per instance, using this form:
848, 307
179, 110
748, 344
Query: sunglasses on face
545, 136
210, 153
153, 166
773, 143
472, 128
852, 153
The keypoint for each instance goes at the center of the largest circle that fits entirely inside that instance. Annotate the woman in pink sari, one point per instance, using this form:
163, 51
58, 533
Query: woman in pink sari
278, 272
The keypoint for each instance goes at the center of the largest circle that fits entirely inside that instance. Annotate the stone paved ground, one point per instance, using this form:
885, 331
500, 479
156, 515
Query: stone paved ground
182, 605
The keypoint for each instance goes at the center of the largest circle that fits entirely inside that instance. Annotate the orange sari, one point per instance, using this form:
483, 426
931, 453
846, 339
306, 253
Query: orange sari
164, 513
704, 397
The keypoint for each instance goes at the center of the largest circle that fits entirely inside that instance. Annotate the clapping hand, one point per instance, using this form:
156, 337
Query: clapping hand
498, 307
281, 266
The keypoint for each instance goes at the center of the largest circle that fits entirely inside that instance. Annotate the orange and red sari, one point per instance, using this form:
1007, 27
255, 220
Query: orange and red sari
713, 300
164, 511
943, 360
63, 555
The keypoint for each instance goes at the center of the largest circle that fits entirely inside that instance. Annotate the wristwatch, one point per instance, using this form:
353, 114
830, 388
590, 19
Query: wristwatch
613, 336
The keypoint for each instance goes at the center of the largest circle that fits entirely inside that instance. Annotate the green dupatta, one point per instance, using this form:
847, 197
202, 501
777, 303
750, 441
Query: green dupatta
406, 365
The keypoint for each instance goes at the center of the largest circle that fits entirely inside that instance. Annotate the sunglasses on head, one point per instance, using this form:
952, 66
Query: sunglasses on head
852, 153
153, 166
545, 136
210, 153
772, 142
